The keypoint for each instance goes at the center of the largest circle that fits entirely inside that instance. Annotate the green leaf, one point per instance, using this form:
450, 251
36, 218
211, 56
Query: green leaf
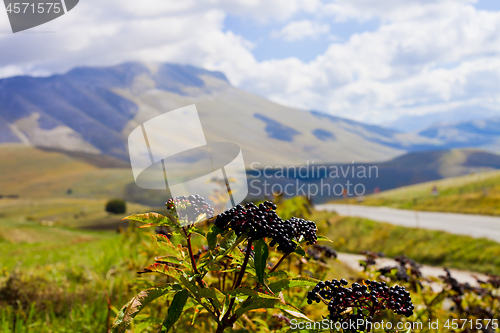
163, 269
165, 244
152, 220
170, 260
215, 295
264, 304
284, 284
212, 236
240, 292
260, 259
197, 311
132, 308
225, 307
300, 251
324, 239
199, 231
175, 310
228, 240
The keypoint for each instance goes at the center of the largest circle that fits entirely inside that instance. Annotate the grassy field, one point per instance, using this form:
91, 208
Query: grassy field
436, 248
62, 259
34, 173
471, 194
59, 279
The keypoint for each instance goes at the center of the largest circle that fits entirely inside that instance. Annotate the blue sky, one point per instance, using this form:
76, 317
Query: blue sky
267, 47
372, 61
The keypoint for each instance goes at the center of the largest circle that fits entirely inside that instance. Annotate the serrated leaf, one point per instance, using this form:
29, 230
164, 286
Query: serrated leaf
152, 220
260, 260
292, 283
324, 239
132, 308
165, 244
175, 310
163, 269
169, 260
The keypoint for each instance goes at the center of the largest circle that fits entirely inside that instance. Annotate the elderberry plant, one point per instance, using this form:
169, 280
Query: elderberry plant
230, 274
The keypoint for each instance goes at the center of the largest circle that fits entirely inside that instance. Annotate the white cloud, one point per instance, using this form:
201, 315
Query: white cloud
299, 30
426, 55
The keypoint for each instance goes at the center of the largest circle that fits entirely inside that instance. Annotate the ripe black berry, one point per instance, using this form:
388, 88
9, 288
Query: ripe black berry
263, 222
370, 298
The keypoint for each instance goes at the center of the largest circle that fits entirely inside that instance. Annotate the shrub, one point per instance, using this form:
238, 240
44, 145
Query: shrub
116, 206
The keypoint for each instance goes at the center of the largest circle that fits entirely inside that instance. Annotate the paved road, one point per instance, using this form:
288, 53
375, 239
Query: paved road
463, 224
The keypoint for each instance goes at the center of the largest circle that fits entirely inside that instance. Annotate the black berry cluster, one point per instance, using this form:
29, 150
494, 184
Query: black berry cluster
365, 299
457, 292
370, 258
321, 252
190, 208
262, 221
400, 274
494, 280
407, 270
411, 264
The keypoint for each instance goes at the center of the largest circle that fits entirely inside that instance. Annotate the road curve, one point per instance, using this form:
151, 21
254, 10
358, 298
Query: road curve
462, 224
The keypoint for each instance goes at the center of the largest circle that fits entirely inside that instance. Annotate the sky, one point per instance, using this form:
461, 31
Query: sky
372, 61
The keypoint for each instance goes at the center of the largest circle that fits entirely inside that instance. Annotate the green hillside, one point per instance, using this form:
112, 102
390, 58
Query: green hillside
471, 194
33, 173
55, 189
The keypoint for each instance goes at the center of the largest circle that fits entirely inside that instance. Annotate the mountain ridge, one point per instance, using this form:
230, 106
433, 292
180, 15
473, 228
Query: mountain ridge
93, 109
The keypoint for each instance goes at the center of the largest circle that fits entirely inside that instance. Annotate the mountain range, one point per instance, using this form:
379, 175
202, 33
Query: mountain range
87, 114
93, 110
418, 123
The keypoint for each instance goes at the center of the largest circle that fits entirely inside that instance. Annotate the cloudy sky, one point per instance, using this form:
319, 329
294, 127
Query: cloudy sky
363, 59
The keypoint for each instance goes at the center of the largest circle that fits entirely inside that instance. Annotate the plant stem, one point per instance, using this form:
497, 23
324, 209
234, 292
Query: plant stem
279, 262
195, 269
225, 322
237, 282
190, 249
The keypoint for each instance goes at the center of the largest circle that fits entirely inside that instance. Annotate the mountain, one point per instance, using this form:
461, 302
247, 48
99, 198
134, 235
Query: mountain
93, 110
409, 123
483, 134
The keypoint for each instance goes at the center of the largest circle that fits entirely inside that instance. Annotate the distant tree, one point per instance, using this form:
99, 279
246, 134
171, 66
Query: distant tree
116, 206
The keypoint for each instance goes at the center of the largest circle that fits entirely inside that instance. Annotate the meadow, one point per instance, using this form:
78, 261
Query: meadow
471, 194
66, 265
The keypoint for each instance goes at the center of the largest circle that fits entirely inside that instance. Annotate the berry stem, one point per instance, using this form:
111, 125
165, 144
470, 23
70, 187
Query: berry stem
190, 249
237, 282
279, 262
